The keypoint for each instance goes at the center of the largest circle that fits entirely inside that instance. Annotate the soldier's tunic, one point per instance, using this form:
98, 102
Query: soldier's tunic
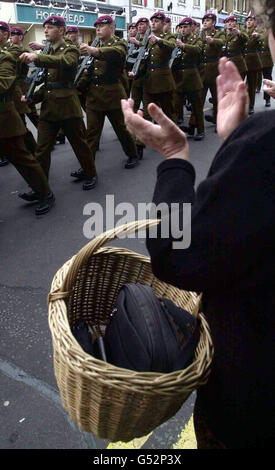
266, 60
253, 64
234, 49
104, 94
188, 80
19, 89
159, 84
60, 107
211, 53
12, 130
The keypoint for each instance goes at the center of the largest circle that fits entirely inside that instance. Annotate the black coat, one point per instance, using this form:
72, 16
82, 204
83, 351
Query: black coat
230, 260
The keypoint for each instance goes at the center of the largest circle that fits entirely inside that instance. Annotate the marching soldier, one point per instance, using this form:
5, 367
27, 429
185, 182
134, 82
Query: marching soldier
267, 63
235, 44
137, 86
105, 90
188, 80
60, 105
131, 42
159, 84
252, 59
12, 131
16, 48
213, 42
167, 27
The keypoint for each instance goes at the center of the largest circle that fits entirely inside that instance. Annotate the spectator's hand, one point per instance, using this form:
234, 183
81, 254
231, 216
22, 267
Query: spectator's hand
23, 99
131, 74
164, 137
232, 98
36, 46
269, 87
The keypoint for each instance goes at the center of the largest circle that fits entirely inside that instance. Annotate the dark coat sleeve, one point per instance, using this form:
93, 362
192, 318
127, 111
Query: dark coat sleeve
232, 212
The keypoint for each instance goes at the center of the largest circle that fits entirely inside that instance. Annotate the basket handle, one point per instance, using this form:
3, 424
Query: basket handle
93, 246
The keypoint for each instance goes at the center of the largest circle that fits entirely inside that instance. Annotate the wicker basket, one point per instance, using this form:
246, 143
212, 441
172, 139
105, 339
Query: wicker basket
114, 403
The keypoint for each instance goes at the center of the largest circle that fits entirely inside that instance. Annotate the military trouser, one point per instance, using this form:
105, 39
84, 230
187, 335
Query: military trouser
259, 80
164, 100
212, 86
251, 77
197, 107
15, 150
267, 73
95, 123
74, 131
136, 95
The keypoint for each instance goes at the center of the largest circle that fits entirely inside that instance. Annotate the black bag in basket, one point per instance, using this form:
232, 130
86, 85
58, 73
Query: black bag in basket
146, 334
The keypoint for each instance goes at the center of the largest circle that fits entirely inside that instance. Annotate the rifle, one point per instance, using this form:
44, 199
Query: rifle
38, 74
132, 51
143, 53
176, 53
86, 63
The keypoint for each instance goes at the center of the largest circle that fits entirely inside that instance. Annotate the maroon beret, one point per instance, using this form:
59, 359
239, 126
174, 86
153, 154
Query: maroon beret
186, 21
211, 16
142, 20
72, 29
132, 25
17, 30
55, 21
4, 26
167, 19
251, 16
158, 15
104, 19
231, 18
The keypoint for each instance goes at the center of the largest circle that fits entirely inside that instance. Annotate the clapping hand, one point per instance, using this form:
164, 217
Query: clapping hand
164, 137
232, 98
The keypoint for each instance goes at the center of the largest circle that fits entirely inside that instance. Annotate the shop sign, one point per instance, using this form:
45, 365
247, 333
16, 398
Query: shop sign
37, 15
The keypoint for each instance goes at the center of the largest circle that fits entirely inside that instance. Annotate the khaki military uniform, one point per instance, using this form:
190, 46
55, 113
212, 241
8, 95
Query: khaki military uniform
12, 130
211, 53
104, 93
19, 90
234, 50
188, 79
159, 84
266, 60
137, 86
253, 64
60, 107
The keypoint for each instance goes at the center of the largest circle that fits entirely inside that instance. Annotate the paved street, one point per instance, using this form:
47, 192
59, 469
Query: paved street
32, 249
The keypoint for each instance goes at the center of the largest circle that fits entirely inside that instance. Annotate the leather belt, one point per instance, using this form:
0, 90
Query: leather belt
207, 60
58, 85
5, 98
104, 81
230, 54
186, 67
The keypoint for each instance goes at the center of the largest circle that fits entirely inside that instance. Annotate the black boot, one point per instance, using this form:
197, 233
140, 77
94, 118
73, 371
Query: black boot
131, 162
209, 118
251, 110
267, 102
79, 174
60, 139
31, 196
189, 130
90, 183
199, 136
45, 204
4, 161
140, 151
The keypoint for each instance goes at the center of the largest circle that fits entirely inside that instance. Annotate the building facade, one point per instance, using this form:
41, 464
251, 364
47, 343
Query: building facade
30, 14
223, 8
